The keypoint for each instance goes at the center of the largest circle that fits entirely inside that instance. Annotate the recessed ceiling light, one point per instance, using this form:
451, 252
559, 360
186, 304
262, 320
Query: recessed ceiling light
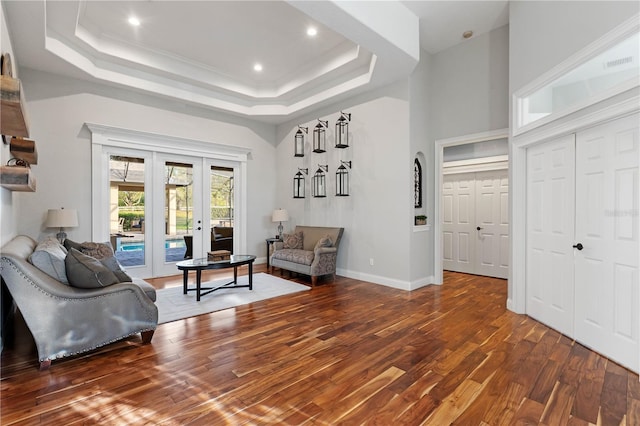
257, 67
134, 21
312, 31
467, 34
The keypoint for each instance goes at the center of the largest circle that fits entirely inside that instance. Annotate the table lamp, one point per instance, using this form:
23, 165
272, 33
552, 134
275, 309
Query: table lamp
62, 218
280, 215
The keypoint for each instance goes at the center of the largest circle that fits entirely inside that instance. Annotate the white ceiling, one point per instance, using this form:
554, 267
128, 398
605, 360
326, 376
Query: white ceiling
203, 52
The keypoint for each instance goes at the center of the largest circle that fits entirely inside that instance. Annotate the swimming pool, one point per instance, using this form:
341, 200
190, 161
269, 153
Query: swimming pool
138, 245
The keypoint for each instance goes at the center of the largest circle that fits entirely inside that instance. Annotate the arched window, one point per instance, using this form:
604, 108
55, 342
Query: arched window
417, 183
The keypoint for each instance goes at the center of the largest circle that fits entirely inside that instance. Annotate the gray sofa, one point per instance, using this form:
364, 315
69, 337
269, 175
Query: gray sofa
67, 320
309, 260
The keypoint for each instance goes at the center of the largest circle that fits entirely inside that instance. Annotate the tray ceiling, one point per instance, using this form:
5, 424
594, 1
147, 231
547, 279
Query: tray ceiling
203, 52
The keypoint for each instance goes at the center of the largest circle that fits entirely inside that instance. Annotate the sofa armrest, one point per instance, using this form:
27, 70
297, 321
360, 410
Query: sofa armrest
325, 250
324, 261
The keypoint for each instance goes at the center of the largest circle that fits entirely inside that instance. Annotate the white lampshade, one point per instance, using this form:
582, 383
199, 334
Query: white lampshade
62, 218
280, 215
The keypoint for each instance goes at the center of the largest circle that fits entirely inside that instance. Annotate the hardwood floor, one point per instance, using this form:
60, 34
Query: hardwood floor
347, 352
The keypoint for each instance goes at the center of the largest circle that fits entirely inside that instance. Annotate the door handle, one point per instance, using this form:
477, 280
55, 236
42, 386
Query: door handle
478, 228
578, 246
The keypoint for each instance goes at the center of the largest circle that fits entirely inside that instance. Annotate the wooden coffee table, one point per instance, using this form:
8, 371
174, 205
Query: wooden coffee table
200, 265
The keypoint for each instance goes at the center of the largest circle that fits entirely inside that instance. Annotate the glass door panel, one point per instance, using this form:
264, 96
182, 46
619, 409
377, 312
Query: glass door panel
222, 208
127, 209
178, 209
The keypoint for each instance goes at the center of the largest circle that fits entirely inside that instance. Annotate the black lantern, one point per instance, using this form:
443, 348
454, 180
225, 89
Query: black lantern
342, 130
320, 181
342, 179
298, 183
320, 136
299, 141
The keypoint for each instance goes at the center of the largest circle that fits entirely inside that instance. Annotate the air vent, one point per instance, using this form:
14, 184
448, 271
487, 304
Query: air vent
618, 62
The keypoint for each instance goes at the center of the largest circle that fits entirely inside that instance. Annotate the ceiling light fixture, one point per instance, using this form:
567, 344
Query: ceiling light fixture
467, 34
312, 31
257, 67
134, 21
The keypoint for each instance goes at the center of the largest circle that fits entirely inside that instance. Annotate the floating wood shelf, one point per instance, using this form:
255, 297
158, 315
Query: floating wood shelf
13, 118
17, 178
24, 149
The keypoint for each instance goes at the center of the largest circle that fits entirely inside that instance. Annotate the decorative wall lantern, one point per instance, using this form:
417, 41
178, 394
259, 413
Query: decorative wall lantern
299, 141
342, 130
320, 182
342, 179
299, 183
320, 136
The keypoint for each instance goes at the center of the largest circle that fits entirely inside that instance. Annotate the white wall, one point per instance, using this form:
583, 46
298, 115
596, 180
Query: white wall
7, 207
421, 145
59, 107
469, 86
545, 33
376, 214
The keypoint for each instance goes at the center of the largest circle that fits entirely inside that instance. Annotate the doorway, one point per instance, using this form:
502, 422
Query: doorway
475, 223
486, 164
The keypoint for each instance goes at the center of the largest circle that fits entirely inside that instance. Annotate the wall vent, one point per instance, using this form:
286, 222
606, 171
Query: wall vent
618, 62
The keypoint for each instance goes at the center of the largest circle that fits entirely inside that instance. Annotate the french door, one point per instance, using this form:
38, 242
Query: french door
162, 207
178, 211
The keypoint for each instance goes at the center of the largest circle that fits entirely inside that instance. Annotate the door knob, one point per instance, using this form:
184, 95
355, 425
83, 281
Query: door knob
478, 228
198, 228
578, 246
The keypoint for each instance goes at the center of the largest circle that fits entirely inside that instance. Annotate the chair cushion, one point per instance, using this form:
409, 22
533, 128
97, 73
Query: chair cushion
86, 272
49, 256
293, 241
303, 257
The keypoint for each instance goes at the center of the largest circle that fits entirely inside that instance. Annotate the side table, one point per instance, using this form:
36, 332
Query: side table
270, 242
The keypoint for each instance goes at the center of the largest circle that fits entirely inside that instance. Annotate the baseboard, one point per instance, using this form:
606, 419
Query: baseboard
422, 282
510, 305
386, 281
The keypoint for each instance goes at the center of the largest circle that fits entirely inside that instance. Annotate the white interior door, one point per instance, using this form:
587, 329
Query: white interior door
476, 223
550, 232
607, 227
492, 217
458, 228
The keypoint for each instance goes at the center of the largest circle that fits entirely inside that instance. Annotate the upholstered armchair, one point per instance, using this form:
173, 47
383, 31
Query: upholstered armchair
309, 250
67, 320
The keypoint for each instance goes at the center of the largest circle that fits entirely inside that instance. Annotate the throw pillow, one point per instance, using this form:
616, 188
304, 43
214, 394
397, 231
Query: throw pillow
97, 250
49, 257
68, 244
102, 252
86, 272
293, 241
114, 266
324, 242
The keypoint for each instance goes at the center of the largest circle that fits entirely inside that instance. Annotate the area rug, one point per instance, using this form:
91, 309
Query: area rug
173, 305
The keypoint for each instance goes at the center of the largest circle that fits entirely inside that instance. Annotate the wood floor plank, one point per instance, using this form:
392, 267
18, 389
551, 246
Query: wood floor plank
529, 413
346, 352
558, 408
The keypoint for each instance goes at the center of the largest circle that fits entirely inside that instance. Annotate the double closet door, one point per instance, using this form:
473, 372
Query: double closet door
582, 237
476, 223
